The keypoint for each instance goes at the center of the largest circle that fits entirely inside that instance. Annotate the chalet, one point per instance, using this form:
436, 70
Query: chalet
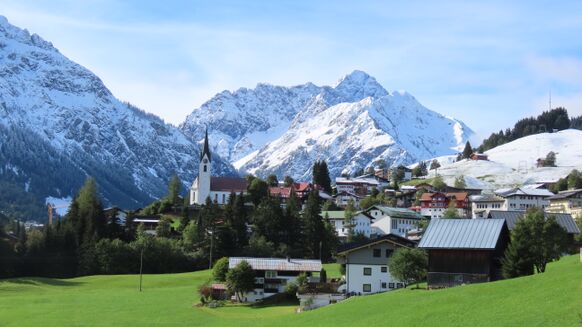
566, 202
523, 198
366, 264
361, 223
464, 251
115, 213
433, 205
273, 274
481, 205
389, 220
342, 199
217, 189
149, 222
479, 156
362, 185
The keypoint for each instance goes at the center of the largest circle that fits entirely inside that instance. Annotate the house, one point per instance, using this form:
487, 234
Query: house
479, 156
482, 204
361, 223
362, 185
464, 251
218, 189
117, 213
433, 205
366, 264
342, 199
563, 219
389, 220
273, 274
149, 222
523, 198
566, 202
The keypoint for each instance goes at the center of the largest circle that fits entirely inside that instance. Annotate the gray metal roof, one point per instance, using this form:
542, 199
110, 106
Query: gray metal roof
396, 212
277, 264
462, 234
564, 194
511, 217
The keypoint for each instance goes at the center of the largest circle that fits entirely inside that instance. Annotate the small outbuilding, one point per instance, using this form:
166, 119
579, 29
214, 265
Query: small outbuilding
464, 251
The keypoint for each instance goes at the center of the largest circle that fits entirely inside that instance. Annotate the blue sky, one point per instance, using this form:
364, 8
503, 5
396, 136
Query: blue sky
486, 63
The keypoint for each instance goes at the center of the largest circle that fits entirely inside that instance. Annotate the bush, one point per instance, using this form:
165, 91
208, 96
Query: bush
220, 269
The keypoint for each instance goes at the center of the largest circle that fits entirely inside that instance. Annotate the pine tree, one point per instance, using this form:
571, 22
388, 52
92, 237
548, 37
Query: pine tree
468, 151
174, 190
313, 226
321, 177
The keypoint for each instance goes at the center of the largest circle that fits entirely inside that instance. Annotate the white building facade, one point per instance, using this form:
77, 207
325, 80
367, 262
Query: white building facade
389, 220
367, 270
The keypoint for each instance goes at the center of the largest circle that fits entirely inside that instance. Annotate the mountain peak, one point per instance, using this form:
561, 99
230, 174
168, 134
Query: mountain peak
361, 85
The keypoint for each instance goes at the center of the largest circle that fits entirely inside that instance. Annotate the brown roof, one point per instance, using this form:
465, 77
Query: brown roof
228, 184
302, 187
459, 196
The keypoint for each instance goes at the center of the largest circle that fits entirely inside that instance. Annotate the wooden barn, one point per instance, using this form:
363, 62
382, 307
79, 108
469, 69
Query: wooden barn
464, 251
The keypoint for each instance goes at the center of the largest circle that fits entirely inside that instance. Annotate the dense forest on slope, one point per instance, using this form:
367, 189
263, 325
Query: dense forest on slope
546, 122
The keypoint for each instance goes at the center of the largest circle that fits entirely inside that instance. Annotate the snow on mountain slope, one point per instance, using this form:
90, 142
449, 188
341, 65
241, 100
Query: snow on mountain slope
514, 163
42, 93
244, 121
351, 125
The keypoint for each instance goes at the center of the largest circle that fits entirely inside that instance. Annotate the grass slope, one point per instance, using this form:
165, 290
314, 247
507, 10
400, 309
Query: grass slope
550, 299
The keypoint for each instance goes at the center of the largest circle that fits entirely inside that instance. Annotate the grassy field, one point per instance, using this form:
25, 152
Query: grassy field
550, 299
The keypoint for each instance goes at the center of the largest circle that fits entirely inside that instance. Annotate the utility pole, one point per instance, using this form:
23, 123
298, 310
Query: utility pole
141, 268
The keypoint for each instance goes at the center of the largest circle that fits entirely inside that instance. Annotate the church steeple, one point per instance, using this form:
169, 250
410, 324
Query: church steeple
206, 150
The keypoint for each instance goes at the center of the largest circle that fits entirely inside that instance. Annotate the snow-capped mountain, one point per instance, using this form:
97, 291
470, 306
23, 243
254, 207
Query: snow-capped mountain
59, 123
514, 163
352, 125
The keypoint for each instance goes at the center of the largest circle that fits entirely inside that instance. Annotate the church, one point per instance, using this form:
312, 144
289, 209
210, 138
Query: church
218, 189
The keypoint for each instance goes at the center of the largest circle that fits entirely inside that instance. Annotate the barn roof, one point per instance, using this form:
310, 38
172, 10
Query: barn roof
277, 264
511, 217
462, 234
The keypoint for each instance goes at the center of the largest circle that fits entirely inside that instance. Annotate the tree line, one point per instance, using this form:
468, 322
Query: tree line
86, 241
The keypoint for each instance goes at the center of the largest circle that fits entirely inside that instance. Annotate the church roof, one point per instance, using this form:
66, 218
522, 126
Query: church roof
228, 184
206, 149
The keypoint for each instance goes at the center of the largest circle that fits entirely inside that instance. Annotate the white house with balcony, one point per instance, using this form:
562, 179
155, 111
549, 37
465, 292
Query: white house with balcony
273, 274
389, 220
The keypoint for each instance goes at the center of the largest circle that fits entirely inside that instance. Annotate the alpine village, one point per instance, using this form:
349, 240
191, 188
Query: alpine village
343, 205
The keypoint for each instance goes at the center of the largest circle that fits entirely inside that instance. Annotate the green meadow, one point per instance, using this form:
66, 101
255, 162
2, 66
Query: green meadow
550, 299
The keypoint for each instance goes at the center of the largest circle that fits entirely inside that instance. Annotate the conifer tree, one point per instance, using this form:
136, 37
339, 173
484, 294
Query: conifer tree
313, 227
174, 190
468, 151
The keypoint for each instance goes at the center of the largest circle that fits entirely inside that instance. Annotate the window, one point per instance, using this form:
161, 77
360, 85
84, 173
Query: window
377, 253
270, 274
367, 288
399, 285
367, 271
394, 224
390, 285
205, 168
383, 285
224, 198
383, 269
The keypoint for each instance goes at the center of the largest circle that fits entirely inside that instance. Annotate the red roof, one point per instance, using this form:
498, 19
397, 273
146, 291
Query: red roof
459, 196
302, 187
280, 191
228, 184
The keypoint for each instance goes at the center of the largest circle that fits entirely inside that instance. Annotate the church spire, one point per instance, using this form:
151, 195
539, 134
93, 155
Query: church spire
206, 150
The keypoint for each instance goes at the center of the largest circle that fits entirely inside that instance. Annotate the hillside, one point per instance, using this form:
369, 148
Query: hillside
353, 124
550, 299
60, 123
515, 162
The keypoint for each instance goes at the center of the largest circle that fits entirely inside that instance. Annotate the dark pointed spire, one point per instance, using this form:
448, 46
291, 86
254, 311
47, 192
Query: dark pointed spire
206, 149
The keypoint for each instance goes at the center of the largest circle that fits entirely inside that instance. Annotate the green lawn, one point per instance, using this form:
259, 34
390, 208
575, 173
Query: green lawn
550, 299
